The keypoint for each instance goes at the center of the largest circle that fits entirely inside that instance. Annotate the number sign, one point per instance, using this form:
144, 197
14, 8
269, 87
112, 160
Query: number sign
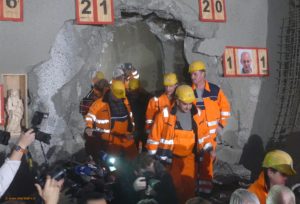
245, 62
212, 10
94, 11
11, 10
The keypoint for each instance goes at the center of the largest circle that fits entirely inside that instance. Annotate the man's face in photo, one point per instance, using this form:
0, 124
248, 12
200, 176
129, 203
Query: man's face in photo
246, 62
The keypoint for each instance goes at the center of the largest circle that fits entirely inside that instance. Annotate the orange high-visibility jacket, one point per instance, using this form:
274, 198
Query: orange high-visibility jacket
99, 117
155, 105
216, 106
182, 144
259, 188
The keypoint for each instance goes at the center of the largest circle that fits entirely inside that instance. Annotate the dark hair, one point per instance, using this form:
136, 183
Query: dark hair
91, 196
101, 85
142, 161
267, 179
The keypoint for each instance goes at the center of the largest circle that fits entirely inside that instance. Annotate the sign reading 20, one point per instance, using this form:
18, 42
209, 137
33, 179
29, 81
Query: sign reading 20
212, 10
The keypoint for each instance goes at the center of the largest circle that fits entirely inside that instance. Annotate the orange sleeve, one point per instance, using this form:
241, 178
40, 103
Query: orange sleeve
204, 138
155, 134
150, 113
90, 118
224, 108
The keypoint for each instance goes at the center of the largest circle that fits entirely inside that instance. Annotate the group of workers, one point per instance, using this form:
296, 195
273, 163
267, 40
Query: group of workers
178, 127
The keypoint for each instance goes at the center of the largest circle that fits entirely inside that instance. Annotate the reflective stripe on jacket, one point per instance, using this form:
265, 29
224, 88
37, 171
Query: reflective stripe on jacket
99, 117
216, 106
169, 143
259, 188
155, 105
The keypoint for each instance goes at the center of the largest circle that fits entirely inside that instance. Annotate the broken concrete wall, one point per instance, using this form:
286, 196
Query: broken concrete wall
57, 84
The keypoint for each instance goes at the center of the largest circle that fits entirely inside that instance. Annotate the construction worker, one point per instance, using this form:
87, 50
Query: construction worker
138, 99
98, 76
118, 74
184, 134
277, 167
211, 99
99, 87
110, 119
130, 71
125, 72
157, 103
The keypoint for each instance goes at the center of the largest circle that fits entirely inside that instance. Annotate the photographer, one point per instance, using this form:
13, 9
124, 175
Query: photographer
50, 192
11, 165
153, 180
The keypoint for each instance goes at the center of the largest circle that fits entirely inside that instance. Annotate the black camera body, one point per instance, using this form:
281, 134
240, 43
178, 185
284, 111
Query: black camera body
150, 179
57, 174
36, 121
4, 137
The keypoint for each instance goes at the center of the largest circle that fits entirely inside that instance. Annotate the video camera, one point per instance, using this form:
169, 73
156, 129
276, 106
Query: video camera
81, 176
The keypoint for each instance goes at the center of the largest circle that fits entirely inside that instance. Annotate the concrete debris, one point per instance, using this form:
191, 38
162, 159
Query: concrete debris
225, 173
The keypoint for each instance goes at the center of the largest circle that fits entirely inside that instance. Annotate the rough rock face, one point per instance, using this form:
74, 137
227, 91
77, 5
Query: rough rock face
57, 85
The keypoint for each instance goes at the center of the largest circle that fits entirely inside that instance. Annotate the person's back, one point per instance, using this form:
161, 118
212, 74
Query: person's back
138, 99
279, 194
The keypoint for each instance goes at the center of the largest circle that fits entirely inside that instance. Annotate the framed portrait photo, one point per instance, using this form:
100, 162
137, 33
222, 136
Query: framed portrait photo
245, 62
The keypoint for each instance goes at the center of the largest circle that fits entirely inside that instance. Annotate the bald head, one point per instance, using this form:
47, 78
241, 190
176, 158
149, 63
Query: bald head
246, 62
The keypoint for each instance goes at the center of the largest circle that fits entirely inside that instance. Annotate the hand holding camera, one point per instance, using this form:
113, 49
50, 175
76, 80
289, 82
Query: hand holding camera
26, 139
50, 192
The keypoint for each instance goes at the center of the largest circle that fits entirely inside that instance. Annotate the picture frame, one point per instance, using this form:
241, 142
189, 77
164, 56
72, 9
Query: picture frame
19, 82
12, 10
245, 62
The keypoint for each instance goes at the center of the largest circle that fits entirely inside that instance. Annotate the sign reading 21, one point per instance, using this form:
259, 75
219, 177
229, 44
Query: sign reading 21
94, 12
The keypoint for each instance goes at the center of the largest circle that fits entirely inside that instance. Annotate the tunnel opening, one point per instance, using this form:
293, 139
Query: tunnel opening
152, 44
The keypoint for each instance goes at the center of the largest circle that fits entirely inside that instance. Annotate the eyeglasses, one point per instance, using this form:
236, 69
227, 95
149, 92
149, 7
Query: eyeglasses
246, 61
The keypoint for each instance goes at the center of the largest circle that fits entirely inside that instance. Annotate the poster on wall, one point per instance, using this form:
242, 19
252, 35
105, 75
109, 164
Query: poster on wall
1, 105
245, 62
212, 10
94, 12
11, 10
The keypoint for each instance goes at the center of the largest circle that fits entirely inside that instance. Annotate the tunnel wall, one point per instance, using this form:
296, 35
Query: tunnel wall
57, 55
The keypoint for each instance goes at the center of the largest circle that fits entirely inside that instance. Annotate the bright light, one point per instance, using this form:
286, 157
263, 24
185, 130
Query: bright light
112, 160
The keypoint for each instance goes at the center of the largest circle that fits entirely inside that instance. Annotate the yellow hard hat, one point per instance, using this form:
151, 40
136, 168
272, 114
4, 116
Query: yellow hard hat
185, 94
170, 79
98, 76
280, 161
134, 84
197, 66
118, 89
